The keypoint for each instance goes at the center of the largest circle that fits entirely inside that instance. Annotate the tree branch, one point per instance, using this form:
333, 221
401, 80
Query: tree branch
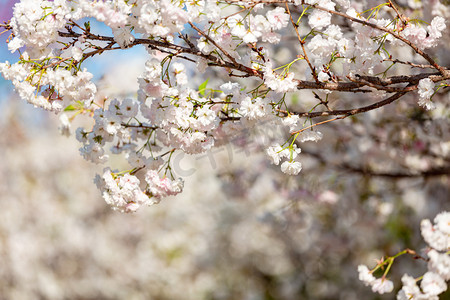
346, 112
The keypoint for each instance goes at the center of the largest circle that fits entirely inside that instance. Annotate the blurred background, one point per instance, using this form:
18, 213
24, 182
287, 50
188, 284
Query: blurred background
240, 229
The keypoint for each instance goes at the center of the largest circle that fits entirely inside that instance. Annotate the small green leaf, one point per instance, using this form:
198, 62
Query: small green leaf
69, 108
202, 87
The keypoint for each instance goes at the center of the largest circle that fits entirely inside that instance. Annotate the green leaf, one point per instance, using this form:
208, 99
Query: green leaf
70, 108
202, 87
87, 26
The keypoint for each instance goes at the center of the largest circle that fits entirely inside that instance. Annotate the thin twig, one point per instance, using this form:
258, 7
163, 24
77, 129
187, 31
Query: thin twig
320, 123
400, 16
422, 66
180, 49
302, 44
231, 58
347, 112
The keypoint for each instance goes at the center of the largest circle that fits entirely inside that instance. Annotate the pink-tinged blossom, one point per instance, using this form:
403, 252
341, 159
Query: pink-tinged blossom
67, 86
271, 37
310, 135
129, 108
15, 44
206, 119
136, 159
162, 187
278, 18
205, 46
275, 153
321, 46
378, 285
279, 83
94, 152
382, 286
232, 88
319, 19
442, 222
291, 167
34, 26
237, 26
415, 34
334, 32
437, 236
426, 90
123, 36
259, 25
179, 70
112, 15
432, 284
439, 263
425, 38
122, 193
77, 53
323, 76
323, 3
160, 18
436, 27
253, 109
290, 121
365, 275
410, 290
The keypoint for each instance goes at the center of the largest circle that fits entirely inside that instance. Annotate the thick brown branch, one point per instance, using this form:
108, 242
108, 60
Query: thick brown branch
139, 126
347, 112
166, 45
372, 81
354, 86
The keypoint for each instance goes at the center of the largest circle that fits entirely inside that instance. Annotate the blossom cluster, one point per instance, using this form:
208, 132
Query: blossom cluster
123, 193
170, 113
379, 285
426, 90
433, 282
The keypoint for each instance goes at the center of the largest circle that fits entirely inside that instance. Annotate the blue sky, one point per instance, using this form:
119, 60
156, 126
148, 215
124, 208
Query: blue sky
5, 14
95, 65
